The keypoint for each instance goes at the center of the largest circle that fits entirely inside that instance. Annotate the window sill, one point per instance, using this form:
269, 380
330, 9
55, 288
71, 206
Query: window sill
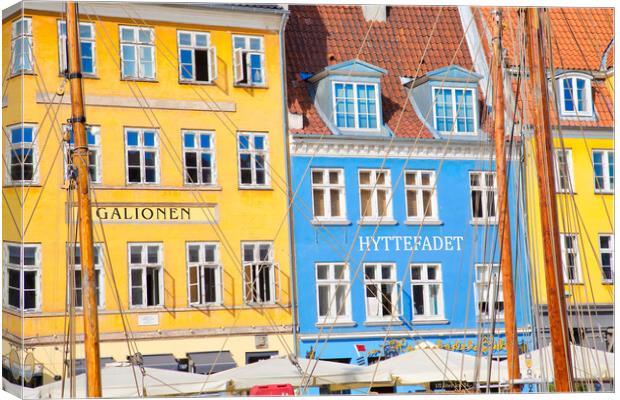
607, 283
607, 192
199, 83
18, 312
138, 309
247, 86
257, 187
207, 306
344, 324
21, 184
141, 184
383, 322
330, 222
566, 192
128, 79
385, 221
483, 222
430, 321
195, 186
571, 283
425, 222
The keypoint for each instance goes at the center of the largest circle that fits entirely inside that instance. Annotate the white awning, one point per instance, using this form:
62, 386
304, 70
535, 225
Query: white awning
281, 370
588, 364
424, 365
118, 380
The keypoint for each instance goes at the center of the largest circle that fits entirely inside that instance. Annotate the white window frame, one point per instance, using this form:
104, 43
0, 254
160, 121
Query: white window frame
608, 185
15, 36
609, 250
572, 77
396, 295
211, 56
253, 153
419, 188
143, 267
141, 149
96, 148
199, 150
99, 270
246, 52
251, 264
326, 187
6, 265
356, 106
62, 48
426, 284
35, 154
484, 189
574, 250
374, 197
568, 155
137, 45
491, 281
201, 265
332, 282
455, 110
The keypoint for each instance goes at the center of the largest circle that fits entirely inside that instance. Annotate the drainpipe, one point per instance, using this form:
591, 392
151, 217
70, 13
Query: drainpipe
289, 194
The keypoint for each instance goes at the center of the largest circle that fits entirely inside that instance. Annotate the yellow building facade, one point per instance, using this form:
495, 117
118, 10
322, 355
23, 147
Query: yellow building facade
585, 196
185, 112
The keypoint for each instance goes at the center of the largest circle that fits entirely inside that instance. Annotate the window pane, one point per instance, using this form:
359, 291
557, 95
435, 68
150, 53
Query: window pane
340, 300
185, 38
322, 271
323, 300
335, 202
418, 299
135, 254
319, 206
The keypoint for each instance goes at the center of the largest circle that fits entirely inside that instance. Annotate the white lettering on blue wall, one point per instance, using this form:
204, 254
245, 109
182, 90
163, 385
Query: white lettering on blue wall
410, 243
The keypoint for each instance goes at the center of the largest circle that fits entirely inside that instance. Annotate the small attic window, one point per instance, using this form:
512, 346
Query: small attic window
575, 95
454, 110
355, 105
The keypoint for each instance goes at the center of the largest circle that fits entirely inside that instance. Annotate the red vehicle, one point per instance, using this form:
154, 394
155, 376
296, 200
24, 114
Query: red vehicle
272, 390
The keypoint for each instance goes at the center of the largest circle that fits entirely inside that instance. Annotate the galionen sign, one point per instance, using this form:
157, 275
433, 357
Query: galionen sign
153, 213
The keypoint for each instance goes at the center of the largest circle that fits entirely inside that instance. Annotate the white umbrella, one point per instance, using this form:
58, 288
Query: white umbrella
117, 380
424, 365
282, 370
588, 364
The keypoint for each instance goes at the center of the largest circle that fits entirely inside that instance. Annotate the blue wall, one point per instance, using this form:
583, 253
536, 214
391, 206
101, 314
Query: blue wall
331, 243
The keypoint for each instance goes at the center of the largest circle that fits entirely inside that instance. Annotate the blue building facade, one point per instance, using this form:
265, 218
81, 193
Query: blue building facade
394, 199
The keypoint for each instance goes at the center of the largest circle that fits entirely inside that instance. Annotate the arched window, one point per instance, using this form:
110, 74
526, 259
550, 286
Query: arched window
575, 93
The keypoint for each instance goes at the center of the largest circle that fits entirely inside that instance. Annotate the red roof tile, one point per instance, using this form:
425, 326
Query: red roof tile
317, 36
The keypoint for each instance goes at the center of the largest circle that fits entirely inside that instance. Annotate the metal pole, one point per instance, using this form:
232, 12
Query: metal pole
80, 162
510, 323
554, 279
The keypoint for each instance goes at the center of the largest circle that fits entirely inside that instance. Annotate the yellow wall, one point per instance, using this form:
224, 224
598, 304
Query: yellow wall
588, 216
244, 215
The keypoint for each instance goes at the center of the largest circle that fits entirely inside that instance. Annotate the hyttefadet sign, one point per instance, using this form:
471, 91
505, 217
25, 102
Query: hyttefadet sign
410, 243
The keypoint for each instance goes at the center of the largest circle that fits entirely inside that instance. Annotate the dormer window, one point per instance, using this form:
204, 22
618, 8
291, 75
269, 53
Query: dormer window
454, 110
355, 105
576, 96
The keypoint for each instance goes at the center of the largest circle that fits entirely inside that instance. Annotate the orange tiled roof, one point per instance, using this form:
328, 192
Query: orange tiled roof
317, 36
579, 37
